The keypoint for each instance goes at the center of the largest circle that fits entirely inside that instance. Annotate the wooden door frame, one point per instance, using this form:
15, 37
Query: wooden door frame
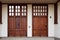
32, 17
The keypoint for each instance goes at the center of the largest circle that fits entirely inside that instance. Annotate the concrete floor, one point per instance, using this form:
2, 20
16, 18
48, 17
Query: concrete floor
26, 38
57, 38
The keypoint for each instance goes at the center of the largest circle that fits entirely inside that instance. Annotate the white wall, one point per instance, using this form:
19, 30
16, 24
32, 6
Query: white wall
3, 26
57, 26
51, 20
29, 21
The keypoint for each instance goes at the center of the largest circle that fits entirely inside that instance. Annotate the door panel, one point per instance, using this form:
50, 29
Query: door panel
11, 23
17, 23
23, 23
40, 20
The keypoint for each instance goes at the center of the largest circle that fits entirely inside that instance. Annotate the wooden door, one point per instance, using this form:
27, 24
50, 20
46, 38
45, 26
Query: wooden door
40, 20
17, 20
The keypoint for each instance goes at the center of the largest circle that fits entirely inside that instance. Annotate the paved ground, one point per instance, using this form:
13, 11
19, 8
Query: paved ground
26, 38
57, 39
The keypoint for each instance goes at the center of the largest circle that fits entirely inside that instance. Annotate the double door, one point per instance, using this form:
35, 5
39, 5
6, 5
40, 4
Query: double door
17, 20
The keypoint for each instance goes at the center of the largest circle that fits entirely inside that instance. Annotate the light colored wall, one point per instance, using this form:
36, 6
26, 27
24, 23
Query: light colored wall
51, 20
4, 26
29, 21
57, 26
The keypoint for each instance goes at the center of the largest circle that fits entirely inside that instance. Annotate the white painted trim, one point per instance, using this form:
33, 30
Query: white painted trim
51, 20
29, 20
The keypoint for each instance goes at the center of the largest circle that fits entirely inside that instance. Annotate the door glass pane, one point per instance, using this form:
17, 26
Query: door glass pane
38, 14
45, 10
38, 10
12, 14
41, 7
34, 14
16, 7
22, 7
16, 14
24, 14
38, 7
12, 7
15, 10
24, 10
18, 10
9, 7
41, 10
41, 14
12, 10
9, 14
45, 7
33, 7
9, 10
45, 14
25, 7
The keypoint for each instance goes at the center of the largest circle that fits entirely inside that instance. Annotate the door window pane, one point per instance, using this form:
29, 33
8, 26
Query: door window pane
38, 14
9, 14
9, 10
9, 7
12, 7
33, 10
33, 7
18, 10
45, 10
34, 14
16, 7
24, 10
18, 14
12, 10
15, 10
12, 14
24, 14
45, 14
38, 10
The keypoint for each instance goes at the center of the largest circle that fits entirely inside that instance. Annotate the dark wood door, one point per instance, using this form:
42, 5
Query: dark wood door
17, 20
40, 20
